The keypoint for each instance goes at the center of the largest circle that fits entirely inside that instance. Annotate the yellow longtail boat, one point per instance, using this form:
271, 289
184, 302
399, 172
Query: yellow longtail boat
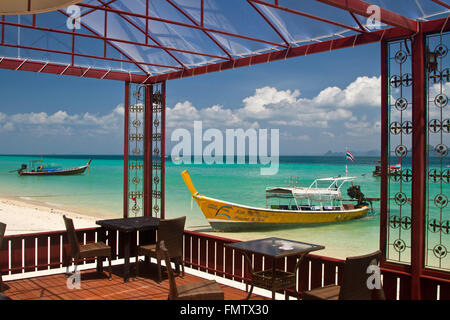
227, 216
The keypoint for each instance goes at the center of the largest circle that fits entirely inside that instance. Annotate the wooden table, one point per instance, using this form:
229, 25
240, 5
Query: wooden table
126, 226
274, 248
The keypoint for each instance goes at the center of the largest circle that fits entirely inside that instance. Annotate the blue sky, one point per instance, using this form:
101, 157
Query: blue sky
62, 115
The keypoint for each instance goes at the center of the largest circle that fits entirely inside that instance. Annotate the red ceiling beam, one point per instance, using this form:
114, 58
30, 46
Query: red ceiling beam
93, 36
68, 70
72, 53
324, 46
307, 15
269, 22
438, 25
177, 23
442, 3
201, 24
92, 10
147, 35
110, 43
362, 8
358, 22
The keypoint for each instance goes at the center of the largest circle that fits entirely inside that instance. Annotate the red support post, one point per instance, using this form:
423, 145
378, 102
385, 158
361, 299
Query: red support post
163, 150
3, 30
73, 44
148, 138
202, 13
418, 163
125, 149
147, 10
105, 34
384, 149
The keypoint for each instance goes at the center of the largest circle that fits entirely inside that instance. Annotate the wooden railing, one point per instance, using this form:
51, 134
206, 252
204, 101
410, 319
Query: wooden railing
21, 254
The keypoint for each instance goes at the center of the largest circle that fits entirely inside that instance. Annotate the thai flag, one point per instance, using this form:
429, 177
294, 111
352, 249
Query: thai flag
350, 156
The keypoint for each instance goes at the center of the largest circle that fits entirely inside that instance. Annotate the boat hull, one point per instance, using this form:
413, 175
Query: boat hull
68, 172
60, 172
226, 216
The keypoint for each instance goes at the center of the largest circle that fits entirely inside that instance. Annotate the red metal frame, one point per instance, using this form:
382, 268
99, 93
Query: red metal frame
418, 187
201, 25
269, 22
307, 15
361, 8
384, 150
147, 35
148, 172
125, 149
182, 24
442, 3
285, 49
163, 151
324, 46
416, 278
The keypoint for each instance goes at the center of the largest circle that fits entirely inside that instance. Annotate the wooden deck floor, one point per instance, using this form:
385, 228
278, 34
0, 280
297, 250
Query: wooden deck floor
96, 286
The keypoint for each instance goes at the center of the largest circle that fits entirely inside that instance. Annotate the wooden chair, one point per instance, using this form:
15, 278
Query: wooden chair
201, 290
2, 235
90, 250
354, 282
171, 232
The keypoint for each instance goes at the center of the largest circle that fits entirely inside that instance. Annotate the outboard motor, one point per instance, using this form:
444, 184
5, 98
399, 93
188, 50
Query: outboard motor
24, 167
354, 192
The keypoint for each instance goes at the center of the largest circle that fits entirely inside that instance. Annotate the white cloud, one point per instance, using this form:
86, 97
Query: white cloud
333, 112
63, 123
269, 107
362, 128
265, 100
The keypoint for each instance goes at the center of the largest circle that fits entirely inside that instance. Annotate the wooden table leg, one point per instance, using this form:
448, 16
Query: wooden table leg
101, 237
126, 252
273, 278
299, 262
249, 262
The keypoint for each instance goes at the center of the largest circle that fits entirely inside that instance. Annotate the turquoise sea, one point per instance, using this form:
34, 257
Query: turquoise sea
98, 192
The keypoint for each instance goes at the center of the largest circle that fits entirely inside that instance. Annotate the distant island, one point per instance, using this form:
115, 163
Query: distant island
373, 153
370, 153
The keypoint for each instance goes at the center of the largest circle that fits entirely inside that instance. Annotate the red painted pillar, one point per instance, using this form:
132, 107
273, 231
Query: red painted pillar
125, 149
148, 151
418, 163
163, 150
384, 149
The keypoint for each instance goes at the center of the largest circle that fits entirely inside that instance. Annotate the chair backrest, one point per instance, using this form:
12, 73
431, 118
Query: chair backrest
171, 232
354, 282
73, 240
2, 232
173, 292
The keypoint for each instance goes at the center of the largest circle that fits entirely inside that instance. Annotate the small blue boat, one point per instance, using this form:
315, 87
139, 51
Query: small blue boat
38, 168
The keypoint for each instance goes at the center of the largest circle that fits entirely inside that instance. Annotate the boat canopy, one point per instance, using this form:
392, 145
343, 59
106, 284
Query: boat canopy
316, 194
313, 192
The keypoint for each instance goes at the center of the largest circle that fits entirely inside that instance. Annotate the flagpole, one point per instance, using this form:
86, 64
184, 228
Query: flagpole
346, 160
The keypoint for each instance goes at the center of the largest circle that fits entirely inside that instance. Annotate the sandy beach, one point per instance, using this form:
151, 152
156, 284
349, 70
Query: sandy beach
23, 217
